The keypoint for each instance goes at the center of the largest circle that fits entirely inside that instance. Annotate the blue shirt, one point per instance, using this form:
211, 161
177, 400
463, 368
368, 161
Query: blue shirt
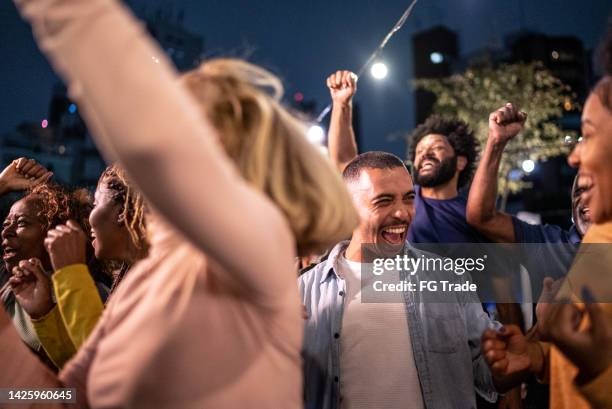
442, 221
444, 336
545, 251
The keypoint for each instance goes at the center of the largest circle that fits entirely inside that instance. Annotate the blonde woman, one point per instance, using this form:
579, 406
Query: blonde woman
212, 318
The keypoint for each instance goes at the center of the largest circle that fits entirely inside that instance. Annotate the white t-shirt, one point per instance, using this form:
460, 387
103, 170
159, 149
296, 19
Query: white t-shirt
377, 368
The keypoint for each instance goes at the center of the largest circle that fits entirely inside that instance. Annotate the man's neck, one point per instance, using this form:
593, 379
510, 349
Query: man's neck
441, 192
353, 251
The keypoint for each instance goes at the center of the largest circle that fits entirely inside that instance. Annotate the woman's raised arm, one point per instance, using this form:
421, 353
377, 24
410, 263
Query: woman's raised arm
138, 113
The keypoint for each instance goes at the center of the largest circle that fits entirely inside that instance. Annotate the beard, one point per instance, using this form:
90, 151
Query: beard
442, 172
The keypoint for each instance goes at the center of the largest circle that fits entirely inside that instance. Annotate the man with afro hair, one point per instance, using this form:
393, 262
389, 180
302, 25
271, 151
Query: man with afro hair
443, 153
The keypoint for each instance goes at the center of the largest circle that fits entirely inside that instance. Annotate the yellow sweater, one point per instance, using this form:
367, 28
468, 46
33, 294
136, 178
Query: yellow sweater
66, 327
593, 268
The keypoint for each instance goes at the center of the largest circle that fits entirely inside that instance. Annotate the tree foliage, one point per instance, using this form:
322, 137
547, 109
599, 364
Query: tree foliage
475, 93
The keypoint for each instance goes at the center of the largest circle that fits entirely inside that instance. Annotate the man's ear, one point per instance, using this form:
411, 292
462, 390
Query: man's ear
461, 163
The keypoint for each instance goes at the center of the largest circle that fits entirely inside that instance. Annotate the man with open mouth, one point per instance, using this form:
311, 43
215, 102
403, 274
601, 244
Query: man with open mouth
443, 152
400, 348
362, 354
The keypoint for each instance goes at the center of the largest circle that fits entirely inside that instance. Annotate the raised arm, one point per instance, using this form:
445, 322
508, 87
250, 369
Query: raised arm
504, 124
139, 113
341, 137
22, 174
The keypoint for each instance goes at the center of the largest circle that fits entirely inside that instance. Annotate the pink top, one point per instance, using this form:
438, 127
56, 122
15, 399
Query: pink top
178, 335
181, 331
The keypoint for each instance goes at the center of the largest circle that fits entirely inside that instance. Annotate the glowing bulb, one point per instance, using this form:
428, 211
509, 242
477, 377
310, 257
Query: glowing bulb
436, 57
316, 134
379, 70
44, 123
528, 166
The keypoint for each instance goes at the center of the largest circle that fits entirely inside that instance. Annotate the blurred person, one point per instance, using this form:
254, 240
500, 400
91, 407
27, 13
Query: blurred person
211, 318
405, 347
118, 230
579, 364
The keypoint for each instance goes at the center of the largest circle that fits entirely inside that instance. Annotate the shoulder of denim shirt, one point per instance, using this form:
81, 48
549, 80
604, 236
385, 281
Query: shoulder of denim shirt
412, 251
318, 273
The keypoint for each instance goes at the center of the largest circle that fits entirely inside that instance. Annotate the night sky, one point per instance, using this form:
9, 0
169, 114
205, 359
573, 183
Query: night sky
304, 41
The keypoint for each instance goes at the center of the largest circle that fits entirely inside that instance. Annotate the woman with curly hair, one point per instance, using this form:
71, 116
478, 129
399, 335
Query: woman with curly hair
24, 230
119, 239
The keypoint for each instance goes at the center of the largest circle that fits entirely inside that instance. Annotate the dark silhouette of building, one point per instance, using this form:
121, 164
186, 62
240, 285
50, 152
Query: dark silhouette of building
564, 56
434, 53
59, 142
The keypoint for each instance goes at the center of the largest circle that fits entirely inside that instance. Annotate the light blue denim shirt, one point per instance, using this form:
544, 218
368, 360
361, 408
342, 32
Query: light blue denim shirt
445, 338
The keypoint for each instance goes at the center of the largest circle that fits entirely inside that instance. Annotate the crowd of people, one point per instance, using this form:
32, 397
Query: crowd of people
175, 287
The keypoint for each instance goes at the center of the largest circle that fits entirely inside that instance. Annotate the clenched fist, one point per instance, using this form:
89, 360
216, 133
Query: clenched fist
66, 244
506, 123
23, 174
342, 87
32, 288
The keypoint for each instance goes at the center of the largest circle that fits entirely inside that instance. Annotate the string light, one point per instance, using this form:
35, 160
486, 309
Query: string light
528, 165
436, 57
379, 70
376, 52
316, 134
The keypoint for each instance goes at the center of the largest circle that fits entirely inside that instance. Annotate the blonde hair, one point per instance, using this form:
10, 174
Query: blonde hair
269, 148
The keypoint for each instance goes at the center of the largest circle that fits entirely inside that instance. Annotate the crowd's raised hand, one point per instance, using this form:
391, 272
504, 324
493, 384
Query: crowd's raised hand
22, 174
506, 123
66, 245
342, 86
